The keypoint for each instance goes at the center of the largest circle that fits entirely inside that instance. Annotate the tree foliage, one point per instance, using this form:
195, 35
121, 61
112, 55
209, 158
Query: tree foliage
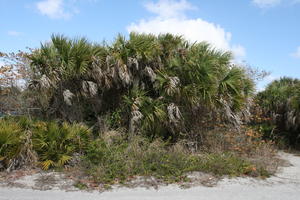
14, 76
280, 102
162, 85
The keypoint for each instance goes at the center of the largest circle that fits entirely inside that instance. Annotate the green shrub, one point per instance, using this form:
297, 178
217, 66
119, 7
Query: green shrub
55, 144
222, 164
280, 104
11, 139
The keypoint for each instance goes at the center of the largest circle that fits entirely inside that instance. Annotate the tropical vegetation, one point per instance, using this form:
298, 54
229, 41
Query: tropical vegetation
280, 104
142, 105
157, 86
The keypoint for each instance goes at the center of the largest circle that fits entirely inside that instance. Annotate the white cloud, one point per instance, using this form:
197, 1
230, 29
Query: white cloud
239, 51
192, 29
266, 3
169, 8
272, 3
171, 18
54, 9
14, 33
297, 53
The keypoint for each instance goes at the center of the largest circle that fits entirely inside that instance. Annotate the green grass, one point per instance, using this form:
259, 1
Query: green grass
81, 186
121, 161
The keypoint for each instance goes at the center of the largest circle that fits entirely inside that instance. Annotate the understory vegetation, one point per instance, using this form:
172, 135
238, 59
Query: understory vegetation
153, 106
112, 157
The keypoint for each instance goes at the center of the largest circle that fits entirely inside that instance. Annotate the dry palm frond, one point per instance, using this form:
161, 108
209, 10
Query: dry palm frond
135, 120
169, 85
26, 157
174, 113
68, 95
97, 73
150, 73
89, 88
172, 86
124, 75
231, 116
133, 63
45, 82
135, 115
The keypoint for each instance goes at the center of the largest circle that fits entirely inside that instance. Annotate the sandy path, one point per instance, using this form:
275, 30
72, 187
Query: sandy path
284, 186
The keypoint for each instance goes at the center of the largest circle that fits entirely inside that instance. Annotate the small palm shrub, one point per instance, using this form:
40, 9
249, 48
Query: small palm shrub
11, 140
55, 144
16, 148
24, 142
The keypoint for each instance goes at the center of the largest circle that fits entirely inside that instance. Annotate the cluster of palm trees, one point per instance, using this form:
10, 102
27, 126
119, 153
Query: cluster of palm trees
280, 102
154, 85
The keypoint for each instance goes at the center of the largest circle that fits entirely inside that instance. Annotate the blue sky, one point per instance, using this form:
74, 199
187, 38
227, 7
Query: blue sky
263, 33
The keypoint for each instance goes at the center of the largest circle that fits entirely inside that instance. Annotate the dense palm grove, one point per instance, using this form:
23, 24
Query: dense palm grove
157, 86
143, 105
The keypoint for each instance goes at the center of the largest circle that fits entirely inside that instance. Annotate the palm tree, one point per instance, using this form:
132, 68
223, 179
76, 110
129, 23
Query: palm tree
60, 67
159, 83
280, 101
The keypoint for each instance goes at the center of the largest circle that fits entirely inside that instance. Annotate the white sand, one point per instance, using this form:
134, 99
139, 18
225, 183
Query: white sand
284, 186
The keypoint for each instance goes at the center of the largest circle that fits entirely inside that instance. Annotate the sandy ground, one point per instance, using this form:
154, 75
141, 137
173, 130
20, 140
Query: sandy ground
284, 186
